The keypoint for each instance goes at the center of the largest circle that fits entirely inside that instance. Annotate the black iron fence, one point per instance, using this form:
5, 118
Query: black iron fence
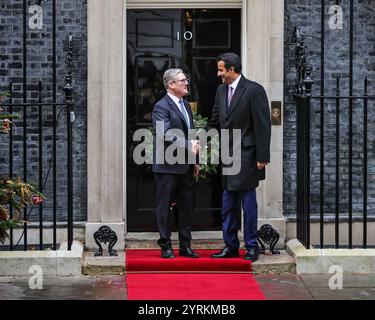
349, 145
40, 127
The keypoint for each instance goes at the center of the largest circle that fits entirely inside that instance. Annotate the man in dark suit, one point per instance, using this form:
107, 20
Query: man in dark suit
241, 104
172, 119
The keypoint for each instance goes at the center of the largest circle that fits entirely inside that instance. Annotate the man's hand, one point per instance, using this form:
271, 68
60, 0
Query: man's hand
195, 147
261, 165
197, 168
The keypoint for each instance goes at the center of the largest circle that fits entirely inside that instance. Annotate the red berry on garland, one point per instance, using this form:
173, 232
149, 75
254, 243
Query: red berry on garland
6, 126
37, 200
3, 214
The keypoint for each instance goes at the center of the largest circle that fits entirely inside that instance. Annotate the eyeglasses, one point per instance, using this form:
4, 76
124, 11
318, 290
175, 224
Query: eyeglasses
182, 80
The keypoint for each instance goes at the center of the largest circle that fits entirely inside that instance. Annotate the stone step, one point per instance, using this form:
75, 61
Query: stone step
46, 262
274, 264
105, 265
195, 244
331, 261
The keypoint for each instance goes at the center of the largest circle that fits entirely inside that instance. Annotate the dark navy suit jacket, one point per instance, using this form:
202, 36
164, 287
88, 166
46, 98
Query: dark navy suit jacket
166, 110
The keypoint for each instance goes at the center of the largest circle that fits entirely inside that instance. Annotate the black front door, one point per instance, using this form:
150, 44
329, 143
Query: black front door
156, 41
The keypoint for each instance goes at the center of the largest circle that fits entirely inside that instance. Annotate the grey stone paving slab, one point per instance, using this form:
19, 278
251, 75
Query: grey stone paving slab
65, 288
283, 287
348, 280
343, 294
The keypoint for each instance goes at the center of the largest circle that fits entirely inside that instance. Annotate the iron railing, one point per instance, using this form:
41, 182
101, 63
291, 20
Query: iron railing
308, 106
47, 118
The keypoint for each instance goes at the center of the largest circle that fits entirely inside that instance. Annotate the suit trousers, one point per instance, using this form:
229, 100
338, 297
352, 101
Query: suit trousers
231, 214
170, 187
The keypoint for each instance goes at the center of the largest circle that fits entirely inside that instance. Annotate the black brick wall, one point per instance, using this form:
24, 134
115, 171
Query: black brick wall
71, 16
305, 14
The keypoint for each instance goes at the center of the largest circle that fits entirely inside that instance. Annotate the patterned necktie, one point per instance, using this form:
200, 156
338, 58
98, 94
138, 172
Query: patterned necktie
230, 95
184, 112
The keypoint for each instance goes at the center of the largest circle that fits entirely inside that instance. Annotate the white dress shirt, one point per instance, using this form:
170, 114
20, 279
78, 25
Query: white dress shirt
177, 102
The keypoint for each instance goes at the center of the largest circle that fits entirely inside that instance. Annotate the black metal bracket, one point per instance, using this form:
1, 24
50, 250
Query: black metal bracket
68, 88
304, 82
105, 234
267, 234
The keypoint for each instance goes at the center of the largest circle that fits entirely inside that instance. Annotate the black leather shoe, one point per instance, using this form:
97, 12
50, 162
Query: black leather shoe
167, 253
252, 254
188, 252
226, 253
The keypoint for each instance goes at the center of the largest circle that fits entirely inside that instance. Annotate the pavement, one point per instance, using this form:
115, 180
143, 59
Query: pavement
104, 278
113, 287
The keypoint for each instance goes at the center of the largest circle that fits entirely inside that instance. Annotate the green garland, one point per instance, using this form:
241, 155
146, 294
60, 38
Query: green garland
13, 192
206, 168
6, 118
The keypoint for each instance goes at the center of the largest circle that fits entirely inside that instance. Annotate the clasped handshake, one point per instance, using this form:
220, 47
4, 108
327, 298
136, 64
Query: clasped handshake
195, 146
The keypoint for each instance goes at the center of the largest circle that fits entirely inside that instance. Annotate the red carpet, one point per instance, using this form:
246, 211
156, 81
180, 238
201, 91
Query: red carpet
149, 261
193, 287
150, 277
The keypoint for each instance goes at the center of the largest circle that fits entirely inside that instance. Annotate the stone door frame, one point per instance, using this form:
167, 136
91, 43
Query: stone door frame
262, 55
